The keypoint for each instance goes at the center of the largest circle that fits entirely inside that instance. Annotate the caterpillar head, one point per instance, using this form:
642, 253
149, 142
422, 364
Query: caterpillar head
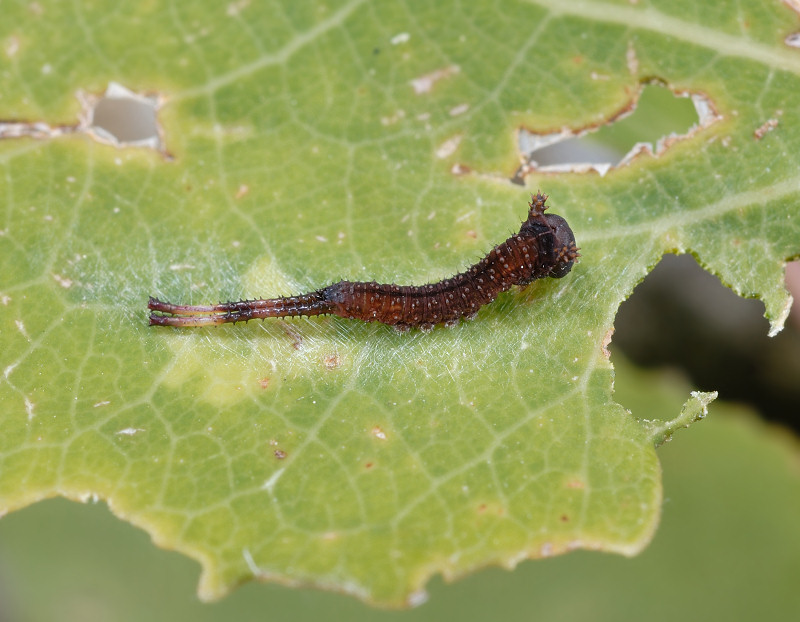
563, 244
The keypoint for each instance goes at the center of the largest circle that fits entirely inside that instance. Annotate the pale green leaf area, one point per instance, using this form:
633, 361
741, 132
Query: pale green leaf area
727, 548
325, 451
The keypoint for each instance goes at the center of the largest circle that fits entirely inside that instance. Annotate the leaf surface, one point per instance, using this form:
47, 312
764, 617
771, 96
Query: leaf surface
305, 147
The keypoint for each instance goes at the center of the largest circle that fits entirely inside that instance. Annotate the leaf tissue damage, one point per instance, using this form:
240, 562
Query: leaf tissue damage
334, 453
119, 117
583, 150
124, 118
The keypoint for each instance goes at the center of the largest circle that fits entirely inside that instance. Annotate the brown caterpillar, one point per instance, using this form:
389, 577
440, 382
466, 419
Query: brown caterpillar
544, 246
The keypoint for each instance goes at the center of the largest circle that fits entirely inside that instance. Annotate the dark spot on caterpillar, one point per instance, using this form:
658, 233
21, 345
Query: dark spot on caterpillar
544, 246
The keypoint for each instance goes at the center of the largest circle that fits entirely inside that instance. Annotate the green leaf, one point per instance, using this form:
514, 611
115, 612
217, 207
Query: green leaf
325, 451
733, 493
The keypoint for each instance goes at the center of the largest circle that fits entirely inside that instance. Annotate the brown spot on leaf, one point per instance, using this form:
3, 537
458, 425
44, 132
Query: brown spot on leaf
377, 432
280, 454
606, 342
264, 383
492, 508
765, 128
424, 84
448, 148
63, 281
294, 334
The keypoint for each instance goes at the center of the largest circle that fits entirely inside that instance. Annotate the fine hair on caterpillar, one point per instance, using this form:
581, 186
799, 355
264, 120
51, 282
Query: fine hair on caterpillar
543, 247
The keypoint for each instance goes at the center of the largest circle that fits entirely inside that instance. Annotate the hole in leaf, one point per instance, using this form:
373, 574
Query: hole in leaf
682, 317
124, 118
653, 123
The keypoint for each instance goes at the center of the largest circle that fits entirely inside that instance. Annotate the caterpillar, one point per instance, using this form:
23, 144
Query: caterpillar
543, 247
